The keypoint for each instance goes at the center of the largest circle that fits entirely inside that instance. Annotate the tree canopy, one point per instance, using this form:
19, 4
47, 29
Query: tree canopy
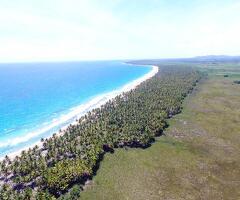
131, 119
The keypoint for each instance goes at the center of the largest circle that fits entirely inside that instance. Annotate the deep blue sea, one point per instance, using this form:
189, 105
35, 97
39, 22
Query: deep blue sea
35, 95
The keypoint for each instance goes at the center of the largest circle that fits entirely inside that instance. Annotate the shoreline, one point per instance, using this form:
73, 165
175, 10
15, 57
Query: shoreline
78, 111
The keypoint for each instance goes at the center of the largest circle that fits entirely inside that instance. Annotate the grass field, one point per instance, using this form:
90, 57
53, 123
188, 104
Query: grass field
198, 158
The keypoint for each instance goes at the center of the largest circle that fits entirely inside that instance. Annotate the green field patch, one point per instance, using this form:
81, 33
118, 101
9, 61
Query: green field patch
197, 159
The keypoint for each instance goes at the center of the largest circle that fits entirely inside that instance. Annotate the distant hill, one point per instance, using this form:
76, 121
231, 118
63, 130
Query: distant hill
212, 58
197, 59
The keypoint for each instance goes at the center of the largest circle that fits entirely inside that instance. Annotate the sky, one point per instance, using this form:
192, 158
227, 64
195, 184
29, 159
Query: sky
72, 30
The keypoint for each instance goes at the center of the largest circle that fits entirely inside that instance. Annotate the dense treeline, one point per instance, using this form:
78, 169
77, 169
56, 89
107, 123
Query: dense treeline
132, 119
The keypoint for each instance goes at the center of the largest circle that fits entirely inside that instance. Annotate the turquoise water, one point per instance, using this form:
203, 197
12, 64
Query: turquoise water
35, 95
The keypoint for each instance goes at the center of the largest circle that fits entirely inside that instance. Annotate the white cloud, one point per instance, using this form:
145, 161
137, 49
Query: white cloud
80, 30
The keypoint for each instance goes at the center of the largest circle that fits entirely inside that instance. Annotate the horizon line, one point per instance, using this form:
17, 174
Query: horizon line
125, 60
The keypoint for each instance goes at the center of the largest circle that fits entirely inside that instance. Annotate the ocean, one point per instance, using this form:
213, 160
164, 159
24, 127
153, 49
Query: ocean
37, 99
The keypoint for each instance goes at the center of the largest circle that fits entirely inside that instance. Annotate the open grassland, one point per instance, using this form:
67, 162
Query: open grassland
198, 158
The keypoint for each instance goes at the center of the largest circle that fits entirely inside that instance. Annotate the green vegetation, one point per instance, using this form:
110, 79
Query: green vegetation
196, 158
132, 119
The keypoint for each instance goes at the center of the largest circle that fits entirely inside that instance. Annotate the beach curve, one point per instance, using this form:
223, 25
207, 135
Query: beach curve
76, 113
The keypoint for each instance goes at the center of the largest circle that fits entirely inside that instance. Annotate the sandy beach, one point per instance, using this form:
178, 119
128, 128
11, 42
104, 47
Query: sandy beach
79, 111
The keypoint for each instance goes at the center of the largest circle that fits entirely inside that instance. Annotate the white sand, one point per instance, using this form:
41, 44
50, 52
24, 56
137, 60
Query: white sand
79, 111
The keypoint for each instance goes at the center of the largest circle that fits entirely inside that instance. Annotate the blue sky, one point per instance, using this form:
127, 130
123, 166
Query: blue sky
55, 30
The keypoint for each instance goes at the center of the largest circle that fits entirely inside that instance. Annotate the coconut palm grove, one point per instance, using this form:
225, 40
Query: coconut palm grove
64, 163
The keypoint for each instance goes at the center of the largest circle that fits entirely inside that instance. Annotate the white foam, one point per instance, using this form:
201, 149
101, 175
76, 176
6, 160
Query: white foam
77, 112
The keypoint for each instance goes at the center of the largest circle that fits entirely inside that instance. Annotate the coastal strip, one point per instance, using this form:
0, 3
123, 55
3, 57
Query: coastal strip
77, 112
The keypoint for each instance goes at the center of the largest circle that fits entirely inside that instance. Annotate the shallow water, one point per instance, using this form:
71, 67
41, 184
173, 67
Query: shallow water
36, 99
